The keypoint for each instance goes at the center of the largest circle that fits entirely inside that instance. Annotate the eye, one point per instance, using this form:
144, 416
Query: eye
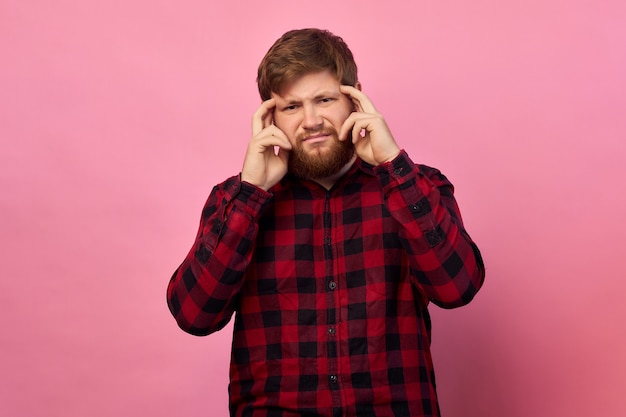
291, 107
326, 100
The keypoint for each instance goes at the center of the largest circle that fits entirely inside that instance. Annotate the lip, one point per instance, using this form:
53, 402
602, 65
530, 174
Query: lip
320, 137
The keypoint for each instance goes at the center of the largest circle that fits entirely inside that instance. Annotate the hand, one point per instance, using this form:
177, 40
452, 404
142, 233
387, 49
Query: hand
372, 139
262, 166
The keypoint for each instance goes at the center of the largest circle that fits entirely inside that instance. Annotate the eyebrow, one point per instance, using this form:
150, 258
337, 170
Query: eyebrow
325, 93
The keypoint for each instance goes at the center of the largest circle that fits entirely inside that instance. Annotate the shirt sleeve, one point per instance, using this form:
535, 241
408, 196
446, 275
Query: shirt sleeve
446, 264
203, 291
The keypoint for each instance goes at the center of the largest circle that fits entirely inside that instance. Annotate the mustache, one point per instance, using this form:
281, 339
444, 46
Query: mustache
331, 131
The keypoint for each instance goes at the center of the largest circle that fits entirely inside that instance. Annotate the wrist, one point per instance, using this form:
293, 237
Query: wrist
248, 180
391, 156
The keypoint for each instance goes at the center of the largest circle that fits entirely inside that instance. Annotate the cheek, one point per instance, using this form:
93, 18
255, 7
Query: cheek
347, 109
281, 122
287, 126
341, 118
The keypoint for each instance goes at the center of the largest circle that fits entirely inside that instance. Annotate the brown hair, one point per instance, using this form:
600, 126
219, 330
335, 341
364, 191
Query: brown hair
302, 51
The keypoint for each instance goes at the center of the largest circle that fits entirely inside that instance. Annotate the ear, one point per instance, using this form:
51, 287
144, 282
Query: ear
358, 86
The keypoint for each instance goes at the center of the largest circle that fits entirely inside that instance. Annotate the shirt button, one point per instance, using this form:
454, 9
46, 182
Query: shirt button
333, 379
331, 331
416, 207
327, 240
397, 171
332, 285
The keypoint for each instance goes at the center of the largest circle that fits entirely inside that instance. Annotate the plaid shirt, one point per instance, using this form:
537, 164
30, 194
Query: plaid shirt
330, 289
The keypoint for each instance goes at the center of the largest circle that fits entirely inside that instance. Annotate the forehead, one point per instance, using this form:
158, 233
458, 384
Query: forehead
309, 85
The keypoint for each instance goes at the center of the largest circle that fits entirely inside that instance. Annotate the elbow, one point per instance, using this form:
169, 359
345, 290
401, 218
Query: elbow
195, 320
455, 301
193, 330
455, 295
195, 327
183, 308
464, 287
189, 326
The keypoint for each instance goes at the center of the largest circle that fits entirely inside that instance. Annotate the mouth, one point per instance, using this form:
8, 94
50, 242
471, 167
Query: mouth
318, 137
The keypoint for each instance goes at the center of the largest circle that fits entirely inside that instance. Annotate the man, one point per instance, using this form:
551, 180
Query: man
328, 248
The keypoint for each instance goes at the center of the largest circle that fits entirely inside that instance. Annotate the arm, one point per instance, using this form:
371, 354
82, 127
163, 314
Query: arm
446, 264
202, 294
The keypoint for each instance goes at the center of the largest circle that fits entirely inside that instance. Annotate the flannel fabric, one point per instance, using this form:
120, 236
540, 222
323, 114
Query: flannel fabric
329, 289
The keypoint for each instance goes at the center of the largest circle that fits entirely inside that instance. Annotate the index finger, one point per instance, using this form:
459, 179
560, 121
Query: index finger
361, 101
262, 118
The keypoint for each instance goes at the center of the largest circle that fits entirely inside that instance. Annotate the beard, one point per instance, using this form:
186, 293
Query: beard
314, 164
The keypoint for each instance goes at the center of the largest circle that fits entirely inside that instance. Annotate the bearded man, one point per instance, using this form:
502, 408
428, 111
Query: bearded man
328, 248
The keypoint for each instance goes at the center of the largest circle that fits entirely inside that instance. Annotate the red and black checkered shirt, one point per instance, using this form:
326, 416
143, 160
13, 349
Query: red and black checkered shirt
330, 289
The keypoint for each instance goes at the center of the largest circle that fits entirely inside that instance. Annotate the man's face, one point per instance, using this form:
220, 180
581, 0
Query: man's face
310, 111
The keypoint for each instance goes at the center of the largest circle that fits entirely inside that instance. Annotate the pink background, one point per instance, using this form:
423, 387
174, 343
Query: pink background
117, 118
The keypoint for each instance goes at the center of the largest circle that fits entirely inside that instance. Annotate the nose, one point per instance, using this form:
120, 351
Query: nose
311, 118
